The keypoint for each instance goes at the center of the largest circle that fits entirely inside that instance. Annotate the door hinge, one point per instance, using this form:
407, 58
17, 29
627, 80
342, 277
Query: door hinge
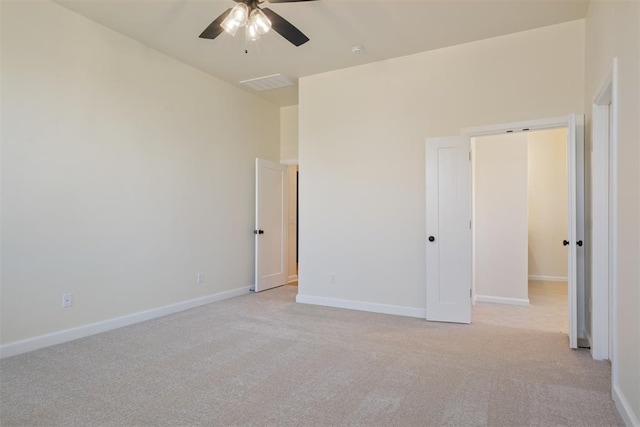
469, 155
470, 293
469, 224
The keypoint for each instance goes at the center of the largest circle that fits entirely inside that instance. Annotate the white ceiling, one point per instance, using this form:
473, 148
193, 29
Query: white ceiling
385, 28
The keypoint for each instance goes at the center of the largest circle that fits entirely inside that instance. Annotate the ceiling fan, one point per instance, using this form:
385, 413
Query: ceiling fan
256, 20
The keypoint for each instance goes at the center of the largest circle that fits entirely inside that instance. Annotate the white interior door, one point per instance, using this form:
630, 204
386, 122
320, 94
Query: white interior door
575, 170
271, 225
448, 196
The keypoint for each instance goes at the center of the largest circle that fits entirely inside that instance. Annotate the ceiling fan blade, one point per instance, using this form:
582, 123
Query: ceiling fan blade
286, 1
285, 28
214, 29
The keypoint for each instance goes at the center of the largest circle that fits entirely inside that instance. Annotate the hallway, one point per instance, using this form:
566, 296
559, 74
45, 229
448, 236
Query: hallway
547, 310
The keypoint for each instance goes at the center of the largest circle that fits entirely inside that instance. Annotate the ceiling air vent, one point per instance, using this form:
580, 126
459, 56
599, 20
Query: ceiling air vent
268, 82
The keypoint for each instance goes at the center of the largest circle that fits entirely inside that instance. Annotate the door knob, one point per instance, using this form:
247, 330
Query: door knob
432, 239
565, 242
258, 231
579, 243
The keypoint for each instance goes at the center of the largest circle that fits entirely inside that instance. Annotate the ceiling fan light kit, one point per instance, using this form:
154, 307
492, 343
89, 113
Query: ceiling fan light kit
237, 18
260, 21
257, 21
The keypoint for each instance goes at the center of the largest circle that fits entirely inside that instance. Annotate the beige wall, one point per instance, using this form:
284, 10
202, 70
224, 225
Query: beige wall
613, 30
124, 173
363, 159
500, 218
289, 134
547, 193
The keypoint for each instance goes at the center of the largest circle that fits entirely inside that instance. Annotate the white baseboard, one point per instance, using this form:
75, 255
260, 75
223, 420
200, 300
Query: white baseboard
293, 278
363, 306
548, 278
626, 412
35, 343
502, 300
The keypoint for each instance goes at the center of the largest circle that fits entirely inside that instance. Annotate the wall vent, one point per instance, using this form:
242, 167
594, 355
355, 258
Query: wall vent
274, 81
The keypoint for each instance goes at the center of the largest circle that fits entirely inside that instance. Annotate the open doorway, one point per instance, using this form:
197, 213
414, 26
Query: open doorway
449, 222
292, 213
520, 208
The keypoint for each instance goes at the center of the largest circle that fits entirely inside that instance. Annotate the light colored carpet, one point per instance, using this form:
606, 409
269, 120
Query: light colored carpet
548, 309
263, 360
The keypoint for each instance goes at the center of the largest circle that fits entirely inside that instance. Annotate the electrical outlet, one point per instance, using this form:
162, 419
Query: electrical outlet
200, 278
67, 300
333, 278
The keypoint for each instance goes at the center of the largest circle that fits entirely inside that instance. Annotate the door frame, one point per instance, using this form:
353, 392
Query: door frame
288, 163
604, 213
577, 295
